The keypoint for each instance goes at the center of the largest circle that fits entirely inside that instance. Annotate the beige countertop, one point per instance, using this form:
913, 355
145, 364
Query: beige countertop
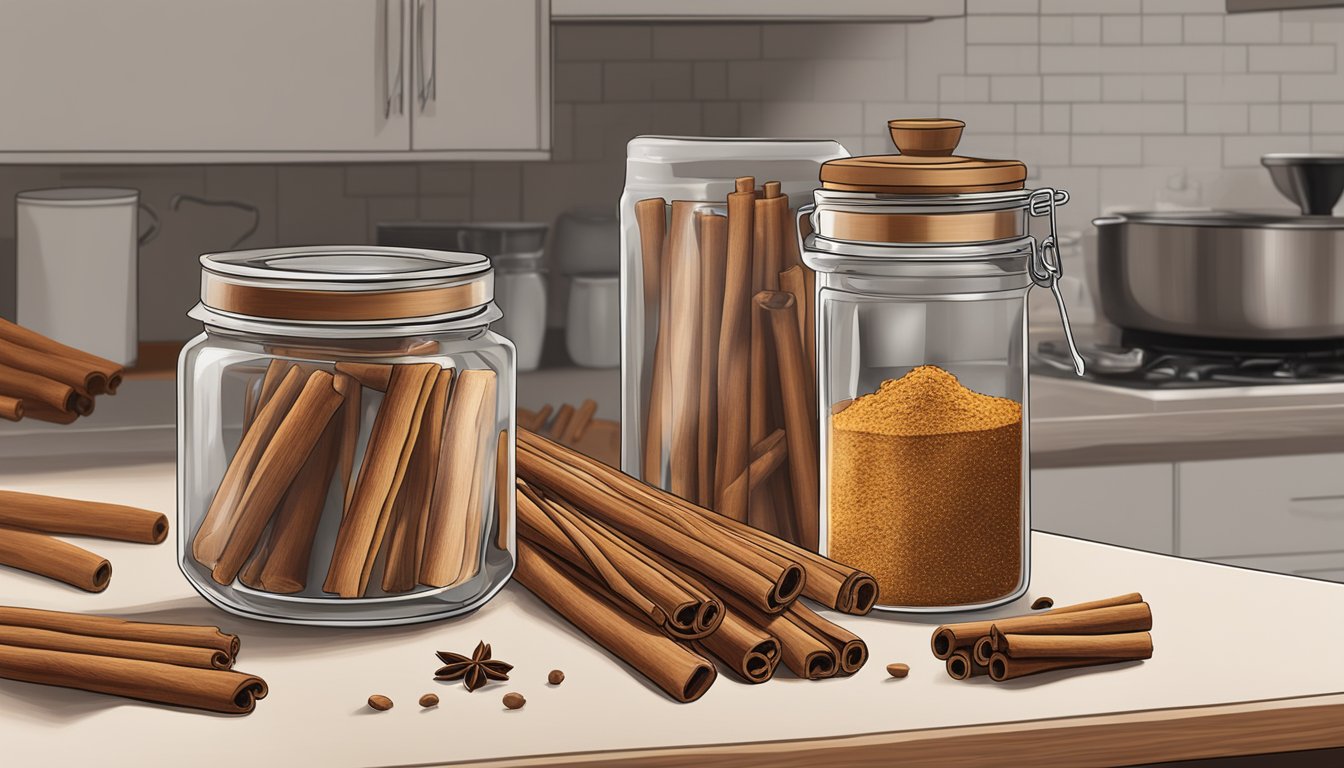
1234, 672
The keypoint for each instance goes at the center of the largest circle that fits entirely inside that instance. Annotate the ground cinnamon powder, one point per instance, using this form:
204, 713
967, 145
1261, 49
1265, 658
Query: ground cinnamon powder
925, 484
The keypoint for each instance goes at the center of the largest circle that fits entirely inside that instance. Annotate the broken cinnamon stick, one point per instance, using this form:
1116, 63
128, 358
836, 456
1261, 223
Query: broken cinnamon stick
1119, 617
410, 515
713, 239
677, 671
218, 524
215, 690
371, 375
55, 559
92, 625
181, 655
285, 454
11, 408
651, 218
50, 514
797, 393
453, 528
733, 455
381, 474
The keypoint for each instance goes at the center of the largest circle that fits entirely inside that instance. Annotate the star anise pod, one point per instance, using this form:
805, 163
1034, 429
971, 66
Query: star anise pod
474, 672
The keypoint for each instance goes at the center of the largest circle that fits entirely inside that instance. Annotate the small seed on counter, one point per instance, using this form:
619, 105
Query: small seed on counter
1042, 603
556, 677
514, 700
380, 703
429, 700
898, 670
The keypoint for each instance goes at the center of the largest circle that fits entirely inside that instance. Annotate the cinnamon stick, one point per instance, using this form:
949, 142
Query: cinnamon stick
372, 375
11, 408
55, 559
215, 690
36, 389
734, 357
453, 529
386, 456
1135, 617
962, 666
683, 334
651, 217
982, 650
181, 655
766, 457
504, 482
410, 515
110, 627
798, 395
793, 281
539, 421
281, 563
749, 652
763, 507
713, 238
583, 418
62, 369
1003, 667
352, 420
285, 454
48, 414
832, 584
218, 524
803, 652
605, 496
683, 609
49, 514
270, 381
109, 372
677, 671
850, 651
562, 418
1126, 645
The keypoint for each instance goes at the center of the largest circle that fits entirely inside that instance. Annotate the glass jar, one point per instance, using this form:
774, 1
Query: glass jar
345, 436
924, 262
706, 226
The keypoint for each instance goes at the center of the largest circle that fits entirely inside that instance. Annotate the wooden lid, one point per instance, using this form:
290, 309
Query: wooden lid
925, 165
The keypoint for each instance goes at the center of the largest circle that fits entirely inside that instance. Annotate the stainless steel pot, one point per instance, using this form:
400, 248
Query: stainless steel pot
1223, 274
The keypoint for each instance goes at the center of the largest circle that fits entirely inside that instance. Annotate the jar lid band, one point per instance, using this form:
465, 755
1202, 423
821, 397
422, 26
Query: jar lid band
335, 306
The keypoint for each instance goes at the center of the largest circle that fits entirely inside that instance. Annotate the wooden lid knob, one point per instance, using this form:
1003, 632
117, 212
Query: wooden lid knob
926, 136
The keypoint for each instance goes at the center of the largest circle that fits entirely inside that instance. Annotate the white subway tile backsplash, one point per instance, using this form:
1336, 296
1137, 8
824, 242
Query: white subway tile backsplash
722, 119
1161, 29
706, 41
1161, 58
445, 179
1313, 87
1216, 118
1003, 59
1188, 151
990, 118
1071, 88
1122, 87
1327, 118
1321, 142
1234, 58
1086, 30
1070, 59
1056, 29
1246, 151
575, 42
709, 80
577, 81
931, 50
802, 119
1296, 118
761, 79
1106, 150
1252, 28
1203, 29
1090, 6
1224, 89
835, 41
963, 88
1264, 118
1292, 58
1056, 118
1015, 88
646, 81
1121, 30
382, 180
1128, 118
1043, 149
1027, 118
1184, 6
977, 7
1002, 29
1295, 32
859, 79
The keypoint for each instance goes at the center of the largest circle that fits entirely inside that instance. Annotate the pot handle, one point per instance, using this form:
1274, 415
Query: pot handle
1046, 266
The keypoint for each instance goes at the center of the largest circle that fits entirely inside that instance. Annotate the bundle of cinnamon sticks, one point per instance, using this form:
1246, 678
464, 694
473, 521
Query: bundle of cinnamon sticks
1084, 635
577, 428
42, 379
671, 587
731, 421
180, 664
28, 520
416, 504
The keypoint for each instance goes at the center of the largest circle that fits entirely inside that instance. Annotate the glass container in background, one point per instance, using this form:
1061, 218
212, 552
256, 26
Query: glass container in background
923, 263
345, 436
706, 228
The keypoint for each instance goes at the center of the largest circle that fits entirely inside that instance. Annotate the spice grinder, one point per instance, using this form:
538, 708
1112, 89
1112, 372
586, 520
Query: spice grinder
923, 262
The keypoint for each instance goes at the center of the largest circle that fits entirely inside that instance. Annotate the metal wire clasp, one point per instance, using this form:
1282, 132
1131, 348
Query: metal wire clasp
1046, 266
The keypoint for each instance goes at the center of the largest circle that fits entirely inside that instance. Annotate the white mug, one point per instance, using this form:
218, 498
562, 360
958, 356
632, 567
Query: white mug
593, 327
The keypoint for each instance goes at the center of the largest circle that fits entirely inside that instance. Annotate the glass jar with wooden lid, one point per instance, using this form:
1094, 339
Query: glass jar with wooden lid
345, 424
923, 262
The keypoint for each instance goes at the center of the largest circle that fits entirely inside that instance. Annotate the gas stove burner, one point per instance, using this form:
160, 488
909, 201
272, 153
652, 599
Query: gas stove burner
1166, 367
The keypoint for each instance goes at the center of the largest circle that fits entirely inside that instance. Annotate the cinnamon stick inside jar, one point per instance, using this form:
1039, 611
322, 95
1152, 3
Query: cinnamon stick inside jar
683, 332
733, 437
677, 671
55, 559
925, 491
50, 514
713, 236
798, 396
651, 217
410, 515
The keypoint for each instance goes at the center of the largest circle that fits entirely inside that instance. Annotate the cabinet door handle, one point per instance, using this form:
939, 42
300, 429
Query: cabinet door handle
395, 85
427, 77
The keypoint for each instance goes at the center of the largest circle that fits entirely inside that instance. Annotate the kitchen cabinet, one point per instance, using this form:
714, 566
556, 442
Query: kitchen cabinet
1129, 504
257, 81
756, 10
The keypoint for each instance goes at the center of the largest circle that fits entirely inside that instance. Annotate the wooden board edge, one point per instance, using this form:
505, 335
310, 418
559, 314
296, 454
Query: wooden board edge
1093, 741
